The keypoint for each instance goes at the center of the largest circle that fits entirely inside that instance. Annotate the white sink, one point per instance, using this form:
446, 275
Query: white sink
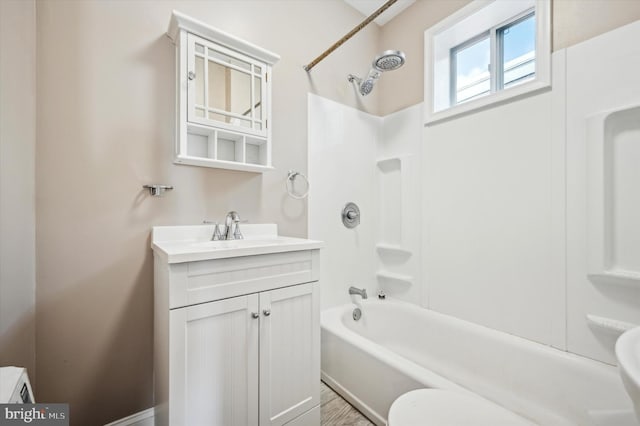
628, 355
176, 244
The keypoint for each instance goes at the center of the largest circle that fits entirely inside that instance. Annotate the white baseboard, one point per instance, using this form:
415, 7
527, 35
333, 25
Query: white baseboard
143, 418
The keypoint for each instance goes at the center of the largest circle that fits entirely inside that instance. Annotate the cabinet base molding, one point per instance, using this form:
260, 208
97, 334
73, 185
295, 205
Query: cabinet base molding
146, 418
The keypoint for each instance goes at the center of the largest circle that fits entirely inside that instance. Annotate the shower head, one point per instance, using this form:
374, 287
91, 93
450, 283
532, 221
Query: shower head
388, 60
365, 86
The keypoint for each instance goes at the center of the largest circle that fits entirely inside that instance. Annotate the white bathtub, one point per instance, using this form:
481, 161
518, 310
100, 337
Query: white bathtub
397, 347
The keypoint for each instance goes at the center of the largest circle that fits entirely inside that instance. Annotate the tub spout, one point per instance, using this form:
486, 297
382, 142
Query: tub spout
361, 292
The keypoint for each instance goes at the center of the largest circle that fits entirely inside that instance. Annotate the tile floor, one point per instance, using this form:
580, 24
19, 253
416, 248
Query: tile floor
335, 411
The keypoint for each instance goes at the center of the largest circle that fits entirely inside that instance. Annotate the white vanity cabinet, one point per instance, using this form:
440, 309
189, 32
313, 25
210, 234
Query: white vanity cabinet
237, 337
223, 98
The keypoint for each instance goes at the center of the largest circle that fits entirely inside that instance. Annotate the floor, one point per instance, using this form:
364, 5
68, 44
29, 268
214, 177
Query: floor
335, 411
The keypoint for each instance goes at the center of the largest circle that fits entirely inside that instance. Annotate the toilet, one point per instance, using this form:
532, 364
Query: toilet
437, 407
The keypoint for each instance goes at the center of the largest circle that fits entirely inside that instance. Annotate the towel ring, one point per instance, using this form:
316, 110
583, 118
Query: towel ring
291, 177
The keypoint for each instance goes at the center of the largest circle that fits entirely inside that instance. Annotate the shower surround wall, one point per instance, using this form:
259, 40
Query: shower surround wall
603, 187
488, 245
372, 161
493, 224
342, 169
398, 246
507, 228
508, 193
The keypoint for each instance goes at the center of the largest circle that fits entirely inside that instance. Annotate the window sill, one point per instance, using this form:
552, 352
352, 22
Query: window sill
494, 99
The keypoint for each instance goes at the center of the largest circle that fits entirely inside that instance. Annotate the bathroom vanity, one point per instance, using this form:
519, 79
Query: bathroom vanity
237, 330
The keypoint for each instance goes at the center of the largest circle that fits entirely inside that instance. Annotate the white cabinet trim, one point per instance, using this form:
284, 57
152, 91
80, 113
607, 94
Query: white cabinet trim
180, 21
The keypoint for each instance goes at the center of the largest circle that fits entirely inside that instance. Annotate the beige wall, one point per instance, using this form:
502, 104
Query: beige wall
105, 128
579, 20
17, 191
573, 21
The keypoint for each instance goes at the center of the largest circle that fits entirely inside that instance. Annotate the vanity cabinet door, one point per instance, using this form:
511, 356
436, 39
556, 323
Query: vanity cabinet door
289, 353
214, 363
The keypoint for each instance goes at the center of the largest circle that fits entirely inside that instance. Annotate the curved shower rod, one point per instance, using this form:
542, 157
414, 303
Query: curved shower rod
350, 34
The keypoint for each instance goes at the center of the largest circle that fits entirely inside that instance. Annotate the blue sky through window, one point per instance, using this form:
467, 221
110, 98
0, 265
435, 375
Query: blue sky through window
520, 39
518, 56
472, 61
518, 52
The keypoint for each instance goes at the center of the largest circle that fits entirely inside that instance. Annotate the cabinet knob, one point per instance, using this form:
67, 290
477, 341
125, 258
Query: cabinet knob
255, 315
266, 312
191, 75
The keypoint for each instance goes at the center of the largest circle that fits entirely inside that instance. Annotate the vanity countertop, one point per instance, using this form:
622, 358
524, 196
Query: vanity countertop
177, 244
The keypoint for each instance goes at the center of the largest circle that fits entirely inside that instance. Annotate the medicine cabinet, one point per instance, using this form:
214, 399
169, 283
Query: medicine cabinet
223, 98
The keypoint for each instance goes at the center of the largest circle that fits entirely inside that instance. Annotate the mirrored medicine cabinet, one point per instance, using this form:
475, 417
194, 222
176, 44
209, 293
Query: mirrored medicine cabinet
223, 98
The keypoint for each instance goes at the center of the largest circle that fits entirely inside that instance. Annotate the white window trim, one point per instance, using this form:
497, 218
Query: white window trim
541, 81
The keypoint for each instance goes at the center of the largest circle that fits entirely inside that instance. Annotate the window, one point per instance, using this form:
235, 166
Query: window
516, 44
470, 69
487, 52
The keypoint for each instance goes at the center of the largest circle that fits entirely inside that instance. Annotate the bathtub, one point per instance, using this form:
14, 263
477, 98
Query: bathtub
397, 347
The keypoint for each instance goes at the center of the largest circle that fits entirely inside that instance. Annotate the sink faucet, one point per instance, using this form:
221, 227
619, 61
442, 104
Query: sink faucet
361, 292
231, 223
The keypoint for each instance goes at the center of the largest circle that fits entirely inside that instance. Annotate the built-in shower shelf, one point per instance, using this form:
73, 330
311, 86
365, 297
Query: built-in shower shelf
392, 276
613, 153
388, 163
393, 249
609, 325
616, 277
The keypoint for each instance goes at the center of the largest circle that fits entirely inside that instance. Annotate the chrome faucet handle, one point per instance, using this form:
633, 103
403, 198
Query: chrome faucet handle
217, 235
237, 235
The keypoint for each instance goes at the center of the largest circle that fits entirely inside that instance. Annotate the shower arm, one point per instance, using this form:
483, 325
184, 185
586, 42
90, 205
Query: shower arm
350, 34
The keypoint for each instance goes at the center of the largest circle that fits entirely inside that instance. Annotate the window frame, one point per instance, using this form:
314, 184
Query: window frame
434, 68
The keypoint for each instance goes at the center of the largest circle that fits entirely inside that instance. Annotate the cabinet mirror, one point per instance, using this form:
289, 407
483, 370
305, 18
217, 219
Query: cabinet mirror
225, 88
